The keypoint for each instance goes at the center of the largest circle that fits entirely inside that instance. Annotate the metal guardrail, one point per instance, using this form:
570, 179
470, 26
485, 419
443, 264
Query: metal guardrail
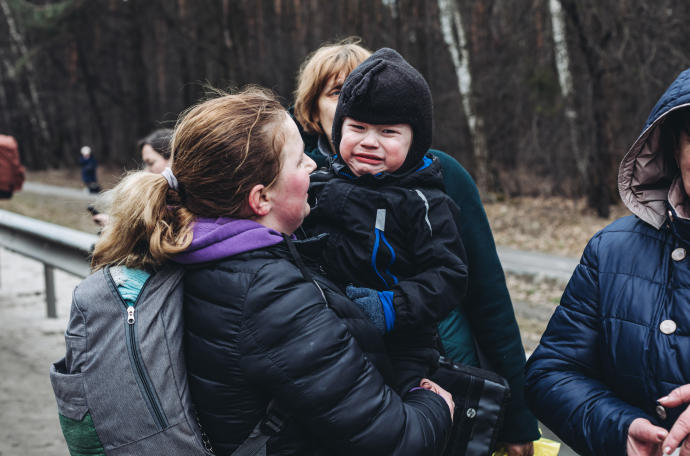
39, 188
53, 245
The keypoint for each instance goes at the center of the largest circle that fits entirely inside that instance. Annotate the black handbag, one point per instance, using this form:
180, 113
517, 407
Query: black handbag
480, 398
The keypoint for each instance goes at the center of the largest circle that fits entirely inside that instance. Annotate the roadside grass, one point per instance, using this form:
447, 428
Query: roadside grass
61, 211
553, 225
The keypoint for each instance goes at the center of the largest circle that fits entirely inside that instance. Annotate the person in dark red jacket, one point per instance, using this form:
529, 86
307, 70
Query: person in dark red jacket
619, 341
12, 173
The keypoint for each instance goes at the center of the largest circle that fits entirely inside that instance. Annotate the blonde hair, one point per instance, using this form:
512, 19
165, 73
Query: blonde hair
317, 70
221, 148
142, 231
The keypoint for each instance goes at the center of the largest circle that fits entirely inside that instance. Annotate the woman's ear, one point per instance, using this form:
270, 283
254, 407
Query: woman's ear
258, 201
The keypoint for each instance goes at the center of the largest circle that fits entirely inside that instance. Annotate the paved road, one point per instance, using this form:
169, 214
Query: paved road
537, 264
29, 342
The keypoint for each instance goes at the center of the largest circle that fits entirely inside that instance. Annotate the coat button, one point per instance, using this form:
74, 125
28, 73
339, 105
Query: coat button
471, 413
668, 326
661, 412
678, 254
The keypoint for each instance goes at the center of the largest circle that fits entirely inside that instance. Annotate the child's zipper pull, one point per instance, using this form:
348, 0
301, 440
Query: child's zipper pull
130, 315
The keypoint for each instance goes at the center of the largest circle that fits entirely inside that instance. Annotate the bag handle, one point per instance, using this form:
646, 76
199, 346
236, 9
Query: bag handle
272, 424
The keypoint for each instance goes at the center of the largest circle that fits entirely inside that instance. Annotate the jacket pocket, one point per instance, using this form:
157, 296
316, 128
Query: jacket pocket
75, 420
69, 391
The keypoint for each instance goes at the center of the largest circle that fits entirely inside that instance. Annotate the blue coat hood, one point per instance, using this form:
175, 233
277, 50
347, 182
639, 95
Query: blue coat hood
647, 176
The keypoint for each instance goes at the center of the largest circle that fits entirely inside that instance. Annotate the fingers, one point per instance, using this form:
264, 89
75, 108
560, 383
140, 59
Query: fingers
449, 400
426, 384
680, 430
678, 396
431, 386
644, 431
644, 439
353, 292
685, 448
100, 219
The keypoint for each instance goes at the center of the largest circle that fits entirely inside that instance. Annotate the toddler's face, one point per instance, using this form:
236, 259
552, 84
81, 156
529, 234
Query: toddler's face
372, 148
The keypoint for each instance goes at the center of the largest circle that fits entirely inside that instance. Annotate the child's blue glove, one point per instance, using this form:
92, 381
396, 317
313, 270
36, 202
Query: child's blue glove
378, 305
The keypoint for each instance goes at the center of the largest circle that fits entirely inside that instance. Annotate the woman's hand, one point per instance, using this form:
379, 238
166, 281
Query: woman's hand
644, 439
681, 428
100, 219
519, 449
431, 386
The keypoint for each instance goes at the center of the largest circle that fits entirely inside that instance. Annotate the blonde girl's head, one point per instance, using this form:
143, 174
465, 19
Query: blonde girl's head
221, 148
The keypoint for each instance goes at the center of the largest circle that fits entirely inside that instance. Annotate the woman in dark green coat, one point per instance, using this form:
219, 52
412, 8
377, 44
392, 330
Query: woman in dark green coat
486, 312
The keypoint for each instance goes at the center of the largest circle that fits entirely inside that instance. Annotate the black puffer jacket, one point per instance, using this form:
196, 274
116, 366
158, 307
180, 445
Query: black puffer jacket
394, 232
257, 330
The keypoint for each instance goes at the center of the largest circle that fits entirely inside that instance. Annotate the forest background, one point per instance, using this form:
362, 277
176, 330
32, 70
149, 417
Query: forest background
533, 97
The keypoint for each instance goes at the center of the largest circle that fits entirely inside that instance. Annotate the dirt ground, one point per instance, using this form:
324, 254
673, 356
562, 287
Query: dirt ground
29, 342
107, 176
554, 225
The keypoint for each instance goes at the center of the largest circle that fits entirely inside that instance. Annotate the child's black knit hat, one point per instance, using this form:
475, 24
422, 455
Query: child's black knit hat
385, 89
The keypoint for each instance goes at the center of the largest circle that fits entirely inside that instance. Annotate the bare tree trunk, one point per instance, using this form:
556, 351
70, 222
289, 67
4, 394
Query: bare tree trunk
19, 47
565, 80
455, 38
3, 94
90, 84
598, 186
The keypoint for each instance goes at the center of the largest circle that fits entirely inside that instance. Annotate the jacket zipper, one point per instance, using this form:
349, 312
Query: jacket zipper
137, 362
139, 368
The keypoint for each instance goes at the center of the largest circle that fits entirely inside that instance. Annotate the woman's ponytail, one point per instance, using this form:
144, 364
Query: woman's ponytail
143, 230
221, 149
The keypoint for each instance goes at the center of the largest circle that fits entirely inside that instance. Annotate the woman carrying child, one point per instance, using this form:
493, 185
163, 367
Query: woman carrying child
259, 326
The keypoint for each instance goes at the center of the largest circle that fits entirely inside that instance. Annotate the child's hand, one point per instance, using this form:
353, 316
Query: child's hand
431, 386
368, 300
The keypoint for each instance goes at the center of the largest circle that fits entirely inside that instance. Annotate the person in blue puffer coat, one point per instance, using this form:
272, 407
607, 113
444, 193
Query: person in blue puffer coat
617, 345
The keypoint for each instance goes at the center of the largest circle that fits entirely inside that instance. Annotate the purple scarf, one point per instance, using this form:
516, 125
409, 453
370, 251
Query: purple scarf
219, 238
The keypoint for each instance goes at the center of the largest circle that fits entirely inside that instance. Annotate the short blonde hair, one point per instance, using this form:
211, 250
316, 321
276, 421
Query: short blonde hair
318, 68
